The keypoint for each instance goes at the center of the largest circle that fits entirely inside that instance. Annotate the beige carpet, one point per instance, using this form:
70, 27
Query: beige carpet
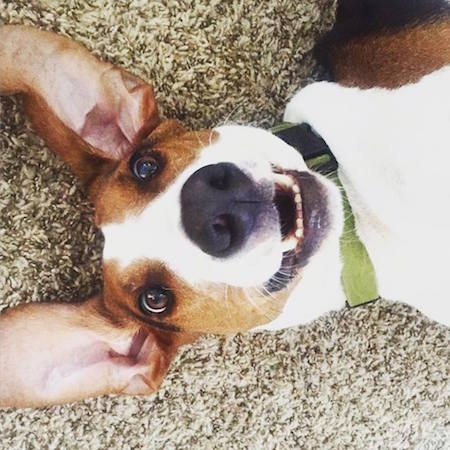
372, 378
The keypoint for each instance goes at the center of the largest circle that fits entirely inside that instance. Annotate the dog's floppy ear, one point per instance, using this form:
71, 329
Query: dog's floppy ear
52, 353
88, 111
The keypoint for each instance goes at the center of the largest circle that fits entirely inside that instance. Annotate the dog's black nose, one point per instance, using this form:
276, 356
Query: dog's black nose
219, 207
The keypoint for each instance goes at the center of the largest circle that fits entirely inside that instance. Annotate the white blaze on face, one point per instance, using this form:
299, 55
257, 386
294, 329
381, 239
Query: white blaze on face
157, 233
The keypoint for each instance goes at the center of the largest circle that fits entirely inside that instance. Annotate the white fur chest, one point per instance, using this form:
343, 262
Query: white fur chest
393, 149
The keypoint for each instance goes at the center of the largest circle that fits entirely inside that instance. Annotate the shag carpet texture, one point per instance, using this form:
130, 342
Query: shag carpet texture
376, 377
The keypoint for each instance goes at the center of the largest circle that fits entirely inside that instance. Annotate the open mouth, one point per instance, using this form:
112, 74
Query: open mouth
301, 202
288, 202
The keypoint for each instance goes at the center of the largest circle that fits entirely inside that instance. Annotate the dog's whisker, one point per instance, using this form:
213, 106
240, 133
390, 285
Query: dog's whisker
227, 119
253, 300
211, 134
268, 310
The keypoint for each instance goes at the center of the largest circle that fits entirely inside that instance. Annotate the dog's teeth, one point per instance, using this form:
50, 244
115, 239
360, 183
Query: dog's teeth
289, 244
283, 180
288, 182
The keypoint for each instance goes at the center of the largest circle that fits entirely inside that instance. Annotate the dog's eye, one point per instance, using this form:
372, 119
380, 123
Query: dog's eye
145, 167
155, 300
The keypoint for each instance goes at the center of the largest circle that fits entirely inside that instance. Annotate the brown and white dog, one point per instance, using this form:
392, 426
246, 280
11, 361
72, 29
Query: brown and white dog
227, 230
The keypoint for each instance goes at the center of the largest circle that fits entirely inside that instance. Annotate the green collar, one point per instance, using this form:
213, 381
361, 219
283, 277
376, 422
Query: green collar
358, 274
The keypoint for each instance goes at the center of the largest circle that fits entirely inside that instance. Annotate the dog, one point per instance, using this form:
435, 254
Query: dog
388, 113
228, 230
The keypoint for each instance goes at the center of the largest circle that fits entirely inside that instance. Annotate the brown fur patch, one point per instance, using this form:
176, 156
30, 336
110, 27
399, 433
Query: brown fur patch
392, 59
209, 308
118, 193
83, 159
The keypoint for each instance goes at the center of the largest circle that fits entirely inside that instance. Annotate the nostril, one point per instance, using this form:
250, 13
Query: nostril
222, 234
222, 224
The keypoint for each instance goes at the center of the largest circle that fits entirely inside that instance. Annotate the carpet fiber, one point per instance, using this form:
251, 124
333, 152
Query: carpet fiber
376, 377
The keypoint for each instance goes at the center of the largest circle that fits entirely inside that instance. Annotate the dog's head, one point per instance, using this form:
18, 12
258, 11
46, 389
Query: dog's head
205, 231
208, 231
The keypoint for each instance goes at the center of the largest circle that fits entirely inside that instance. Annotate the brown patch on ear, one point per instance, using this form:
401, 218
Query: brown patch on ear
89, 112
210, 308
118, 193
392, 59
84, 160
